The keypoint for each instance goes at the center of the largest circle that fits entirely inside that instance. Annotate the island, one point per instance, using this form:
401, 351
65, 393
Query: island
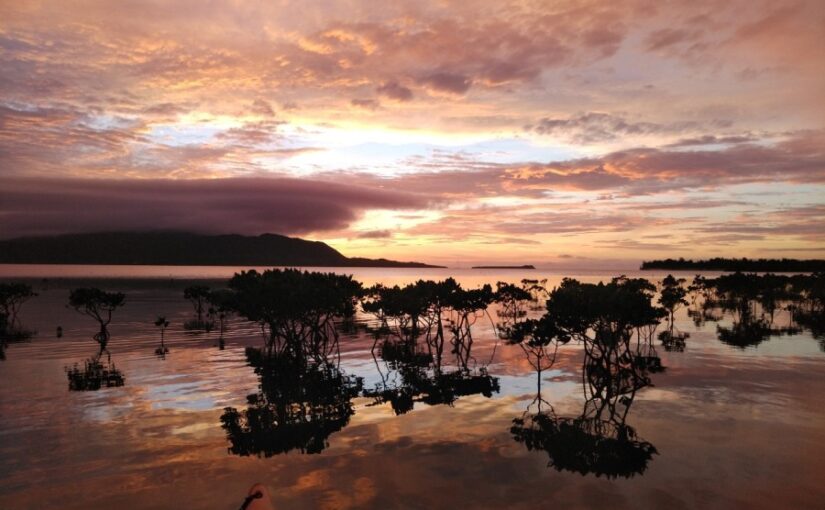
754, 265
182, 249
525, 266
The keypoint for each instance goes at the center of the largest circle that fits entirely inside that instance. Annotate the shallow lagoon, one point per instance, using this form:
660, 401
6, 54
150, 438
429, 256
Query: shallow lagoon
731, 427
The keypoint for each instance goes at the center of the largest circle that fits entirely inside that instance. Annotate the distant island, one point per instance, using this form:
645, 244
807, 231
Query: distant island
722, 264
525, 266
181, 249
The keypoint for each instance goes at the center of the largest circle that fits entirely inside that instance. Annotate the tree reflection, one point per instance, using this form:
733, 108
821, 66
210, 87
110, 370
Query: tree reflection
415, 323
754, 302
599, 441
301, 402
411, 376
96, 374
605, 318
303, 396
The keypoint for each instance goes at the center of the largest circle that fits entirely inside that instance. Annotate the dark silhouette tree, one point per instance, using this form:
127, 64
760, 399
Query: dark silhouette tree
198, 295
221, 306
12, 297
672, 297
538, 291
296, 310
162, 324
513, 303
428, 313
98, 305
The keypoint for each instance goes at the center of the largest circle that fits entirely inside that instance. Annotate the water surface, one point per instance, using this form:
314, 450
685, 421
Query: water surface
729, 427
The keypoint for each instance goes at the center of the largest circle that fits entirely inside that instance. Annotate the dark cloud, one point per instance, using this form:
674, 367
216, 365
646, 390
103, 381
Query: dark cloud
368, 104
394, 90
374, 234
713, 140
667, 37
803, 222
241, 205
594, 127
262, 107
448, 82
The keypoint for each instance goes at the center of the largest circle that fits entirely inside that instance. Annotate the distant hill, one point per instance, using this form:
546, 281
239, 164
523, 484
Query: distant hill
756, 265
179, 249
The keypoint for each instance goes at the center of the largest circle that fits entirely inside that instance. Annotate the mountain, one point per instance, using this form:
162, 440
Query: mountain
177, 249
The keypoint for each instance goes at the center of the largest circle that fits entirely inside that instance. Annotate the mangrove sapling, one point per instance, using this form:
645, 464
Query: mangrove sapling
198, 295
162, 324
672, 297
98, 305
220, 308
12, 297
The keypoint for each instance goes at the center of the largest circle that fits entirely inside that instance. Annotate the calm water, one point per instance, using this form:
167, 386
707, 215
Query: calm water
731, 427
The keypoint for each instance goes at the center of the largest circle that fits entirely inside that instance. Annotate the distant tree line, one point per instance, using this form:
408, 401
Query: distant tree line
783, 265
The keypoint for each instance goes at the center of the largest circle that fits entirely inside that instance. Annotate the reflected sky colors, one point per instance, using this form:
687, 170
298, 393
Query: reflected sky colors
568, 133
732, 427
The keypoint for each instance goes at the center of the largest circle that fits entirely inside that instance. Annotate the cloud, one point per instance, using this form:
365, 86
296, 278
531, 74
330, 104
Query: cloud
713, 140
368, 104
596, 127
262, 107
374, 234
640, 104
447, 82
241, 205
667, 37
394, 90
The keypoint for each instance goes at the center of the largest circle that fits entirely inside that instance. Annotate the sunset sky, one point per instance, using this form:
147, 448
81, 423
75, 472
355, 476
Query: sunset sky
456, 133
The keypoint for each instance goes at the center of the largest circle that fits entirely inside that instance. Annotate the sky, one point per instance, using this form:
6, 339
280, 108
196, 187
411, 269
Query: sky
552, 133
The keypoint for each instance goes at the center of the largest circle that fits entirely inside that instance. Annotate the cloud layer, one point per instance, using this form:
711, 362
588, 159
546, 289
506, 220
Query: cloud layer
241, 205
467, 131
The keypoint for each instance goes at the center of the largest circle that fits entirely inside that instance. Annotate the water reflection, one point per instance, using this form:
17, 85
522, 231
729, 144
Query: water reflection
94, 374
306, 404
99, 305
754, 303
411, 376
599, 441
301, 402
